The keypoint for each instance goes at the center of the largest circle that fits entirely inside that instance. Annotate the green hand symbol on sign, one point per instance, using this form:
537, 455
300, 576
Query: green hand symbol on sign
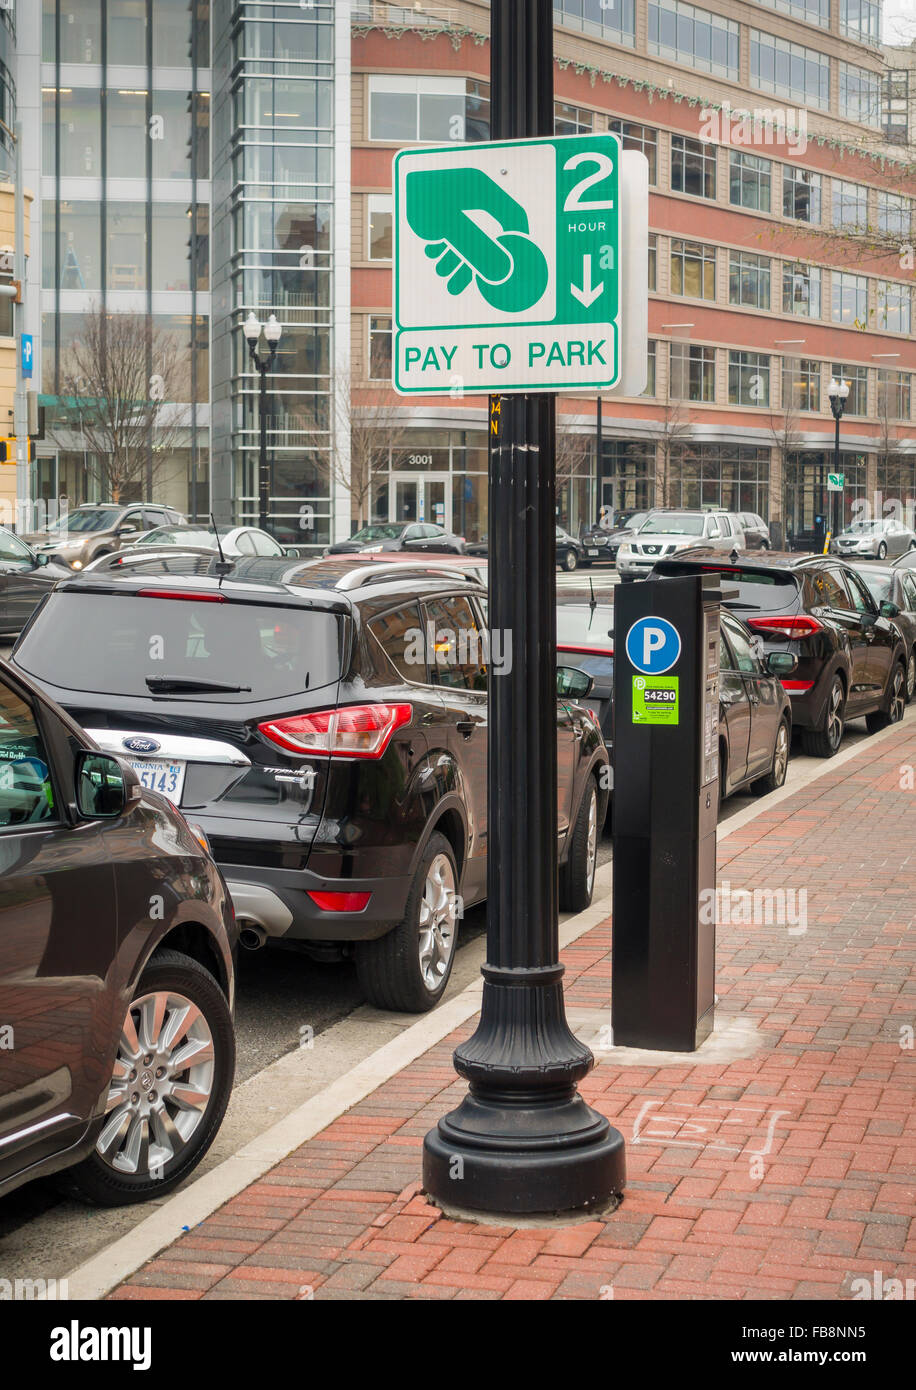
510, 270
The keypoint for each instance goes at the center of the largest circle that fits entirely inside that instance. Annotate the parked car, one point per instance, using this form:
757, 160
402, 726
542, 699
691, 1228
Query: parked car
906, 561
877, 538
326, 726
570, 552
233, 541
755, 712
894, 591
415, 536
25, 578
851, 659
756, 531
667, 532
116, 967
100, 528
607, 539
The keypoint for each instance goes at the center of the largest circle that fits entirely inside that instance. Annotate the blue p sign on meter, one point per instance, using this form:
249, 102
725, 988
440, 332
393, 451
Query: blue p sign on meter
653, 646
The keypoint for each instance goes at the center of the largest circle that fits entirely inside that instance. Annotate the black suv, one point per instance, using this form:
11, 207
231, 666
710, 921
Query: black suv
851, 658
326, 725
117, 945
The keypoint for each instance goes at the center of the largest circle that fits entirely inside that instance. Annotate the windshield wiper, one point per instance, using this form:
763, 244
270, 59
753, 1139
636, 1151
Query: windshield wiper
189, 683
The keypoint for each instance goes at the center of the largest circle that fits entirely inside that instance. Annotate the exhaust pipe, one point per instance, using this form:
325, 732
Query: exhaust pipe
252, 937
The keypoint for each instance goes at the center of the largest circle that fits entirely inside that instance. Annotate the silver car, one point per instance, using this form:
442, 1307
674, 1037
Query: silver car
667, 532
878, 539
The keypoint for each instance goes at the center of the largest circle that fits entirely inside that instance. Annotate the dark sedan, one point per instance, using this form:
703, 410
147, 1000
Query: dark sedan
25, 578
894, 590
603, 540
417, 537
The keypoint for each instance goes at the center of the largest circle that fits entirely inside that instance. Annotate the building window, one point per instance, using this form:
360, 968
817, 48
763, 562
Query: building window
749, 179
895, 104
734, 477
616, 22
693, 36
693, 167
437, 109
80, 133
861, 19
894, 306
749, 280
857, 377
748, 378
572, 120
653, 259
848, 299
639, 137
801, 290
860, 94
893, 395
850, 206
693, 372
801, 194
895, 214
811, 11
790, 70
650, 371
693, 269
801, 384
80, 32
378, 239
379, 349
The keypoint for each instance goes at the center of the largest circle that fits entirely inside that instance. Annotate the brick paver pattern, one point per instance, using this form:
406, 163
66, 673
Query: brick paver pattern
785, 1174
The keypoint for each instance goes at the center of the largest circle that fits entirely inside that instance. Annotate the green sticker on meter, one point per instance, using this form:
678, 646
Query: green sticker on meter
655, 699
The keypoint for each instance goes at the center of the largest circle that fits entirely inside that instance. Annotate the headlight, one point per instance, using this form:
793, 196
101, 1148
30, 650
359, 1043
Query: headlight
372, 549
625, 549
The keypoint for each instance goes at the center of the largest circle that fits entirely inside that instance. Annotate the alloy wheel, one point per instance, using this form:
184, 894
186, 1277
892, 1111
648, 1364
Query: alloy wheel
161, 1086
911, 675
591, 838
898, 696
438, 913
835, 715
781, 756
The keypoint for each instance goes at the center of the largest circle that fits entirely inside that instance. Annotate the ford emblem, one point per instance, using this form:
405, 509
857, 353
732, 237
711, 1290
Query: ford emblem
138, 743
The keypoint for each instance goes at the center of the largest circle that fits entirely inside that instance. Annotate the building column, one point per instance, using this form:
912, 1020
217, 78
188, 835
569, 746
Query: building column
341, 330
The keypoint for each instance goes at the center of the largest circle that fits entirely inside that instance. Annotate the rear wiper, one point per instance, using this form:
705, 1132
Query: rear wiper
188, 683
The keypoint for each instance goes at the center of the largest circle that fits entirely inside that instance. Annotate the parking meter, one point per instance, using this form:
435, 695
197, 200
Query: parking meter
666, 770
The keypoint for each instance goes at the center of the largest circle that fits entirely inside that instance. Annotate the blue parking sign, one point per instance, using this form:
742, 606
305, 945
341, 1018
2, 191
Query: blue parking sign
653, 646
26, 349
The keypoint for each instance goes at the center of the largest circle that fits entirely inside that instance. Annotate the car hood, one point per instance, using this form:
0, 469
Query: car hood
663, 538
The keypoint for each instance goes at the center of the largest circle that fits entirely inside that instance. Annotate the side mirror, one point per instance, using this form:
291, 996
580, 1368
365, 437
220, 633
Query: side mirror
573, 684
781, 663
42, 558
292, 552
889, 609
104, 786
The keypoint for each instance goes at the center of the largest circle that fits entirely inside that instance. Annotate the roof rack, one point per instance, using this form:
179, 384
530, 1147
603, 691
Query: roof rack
379, 573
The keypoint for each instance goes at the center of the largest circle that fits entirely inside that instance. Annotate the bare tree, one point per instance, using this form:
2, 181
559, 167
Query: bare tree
120, 379
894, 464
372, 418
670, 431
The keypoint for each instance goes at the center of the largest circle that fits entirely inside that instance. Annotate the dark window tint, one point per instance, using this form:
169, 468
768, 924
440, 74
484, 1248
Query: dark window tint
861, 599
747, 661
457, 654
828, 590
400, 635
593, 664
276, 651
26, 790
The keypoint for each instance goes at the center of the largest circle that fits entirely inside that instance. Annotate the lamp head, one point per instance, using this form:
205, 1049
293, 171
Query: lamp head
273, 331
252, 330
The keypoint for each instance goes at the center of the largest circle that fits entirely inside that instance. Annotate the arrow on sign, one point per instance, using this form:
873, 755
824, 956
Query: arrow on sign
587, 295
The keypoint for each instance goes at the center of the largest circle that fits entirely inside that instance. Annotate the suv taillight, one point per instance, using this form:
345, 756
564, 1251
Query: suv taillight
353, 731
797, 625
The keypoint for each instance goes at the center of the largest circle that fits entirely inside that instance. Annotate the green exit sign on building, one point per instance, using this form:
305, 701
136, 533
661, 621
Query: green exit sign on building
507, 266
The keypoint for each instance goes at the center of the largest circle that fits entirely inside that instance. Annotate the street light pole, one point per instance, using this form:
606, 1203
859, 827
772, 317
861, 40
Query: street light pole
272, 331
837, 392
522, 1139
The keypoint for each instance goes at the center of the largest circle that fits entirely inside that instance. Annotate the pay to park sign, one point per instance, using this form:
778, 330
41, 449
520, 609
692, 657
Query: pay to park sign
507, 266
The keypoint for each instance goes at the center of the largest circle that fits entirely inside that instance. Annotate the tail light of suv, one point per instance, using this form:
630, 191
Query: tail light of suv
791, 625
353, 731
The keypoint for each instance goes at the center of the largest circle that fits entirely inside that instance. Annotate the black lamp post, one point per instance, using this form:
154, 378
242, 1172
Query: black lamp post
272, 334
523, 1139
838, 392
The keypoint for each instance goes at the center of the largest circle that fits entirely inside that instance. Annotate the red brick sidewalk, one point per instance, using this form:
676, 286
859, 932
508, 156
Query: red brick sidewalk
784, 1173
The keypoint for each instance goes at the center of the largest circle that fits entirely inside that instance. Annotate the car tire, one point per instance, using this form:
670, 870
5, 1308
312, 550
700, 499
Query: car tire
107, 1181
570, 561
776, 777
391, 970
626, 579
882, 551
894, 705
911, 676
577, 875
824, 741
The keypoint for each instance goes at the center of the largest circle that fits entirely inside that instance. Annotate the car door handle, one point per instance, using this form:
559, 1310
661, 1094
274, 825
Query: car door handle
466, 727
578, 731
869, 634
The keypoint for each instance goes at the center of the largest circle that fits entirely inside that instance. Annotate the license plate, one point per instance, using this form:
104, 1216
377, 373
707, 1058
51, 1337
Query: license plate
164, 777
591, 552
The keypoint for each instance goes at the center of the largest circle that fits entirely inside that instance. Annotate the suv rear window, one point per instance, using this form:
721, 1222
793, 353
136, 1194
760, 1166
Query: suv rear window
759, 590
111, 643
